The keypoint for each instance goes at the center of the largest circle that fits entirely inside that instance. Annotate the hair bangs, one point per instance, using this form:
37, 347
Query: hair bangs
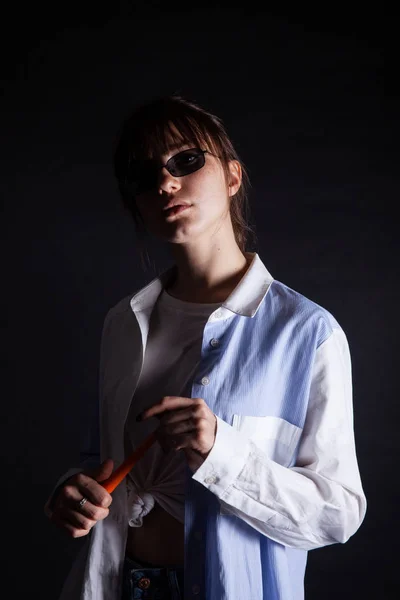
159, 137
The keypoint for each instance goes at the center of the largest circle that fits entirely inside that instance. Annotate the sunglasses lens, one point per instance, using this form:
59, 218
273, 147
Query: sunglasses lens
142, 174
186, 162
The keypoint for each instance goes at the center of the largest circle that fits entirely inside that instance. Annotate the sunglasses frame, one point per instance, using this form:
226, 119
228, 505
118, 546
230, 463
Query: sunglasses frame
135, 187
200, 151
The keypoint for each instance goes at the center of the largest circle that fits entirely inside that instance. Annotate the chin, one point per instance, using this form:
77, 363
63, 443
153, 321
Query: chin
179, 235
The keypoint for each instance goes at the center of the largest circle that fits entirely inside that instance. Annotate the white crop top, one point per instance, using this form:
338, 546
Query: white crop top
173, 351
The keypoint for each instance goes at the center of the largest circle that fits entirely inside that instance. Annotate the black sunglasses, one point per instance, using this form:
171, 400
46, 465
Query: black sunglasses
142, 175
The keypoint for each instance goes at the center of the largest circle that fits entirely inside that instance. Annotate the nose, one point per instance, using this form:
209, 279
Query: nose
167, 182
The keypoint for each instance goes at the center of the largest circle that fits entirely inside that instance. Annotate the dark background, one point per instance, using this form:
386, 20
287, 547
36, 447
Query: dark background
301, 92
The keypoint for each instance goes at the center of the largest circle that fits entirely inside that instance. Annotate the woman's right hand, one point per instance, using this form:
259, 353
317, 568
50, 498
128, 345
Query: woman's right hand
75, 519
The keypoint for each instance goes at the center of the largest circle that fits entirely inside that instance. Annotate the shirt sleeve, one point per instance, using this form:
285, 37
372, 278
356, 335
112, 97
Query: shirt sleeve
318, 501
89, 459
89, 456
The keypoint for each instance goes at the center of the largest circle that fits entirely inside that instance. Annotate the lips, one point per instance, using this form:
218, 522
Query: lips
176, 210
173, 204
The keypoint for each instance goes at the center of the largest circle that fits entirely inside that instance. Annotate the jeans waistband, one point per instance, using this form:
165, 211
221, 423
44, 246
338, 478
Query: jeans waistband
150, 581
133, 563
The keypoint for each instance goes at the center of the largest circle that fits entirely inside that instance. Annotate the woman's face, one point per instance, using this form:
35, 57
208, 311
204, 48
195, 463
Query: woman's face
205, 191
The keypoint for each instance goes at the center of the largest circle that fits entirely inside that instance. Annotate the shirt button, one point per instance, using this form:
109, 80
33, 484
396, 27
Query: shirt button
214, 342
196, 589
211, 479
205, 381
217, 314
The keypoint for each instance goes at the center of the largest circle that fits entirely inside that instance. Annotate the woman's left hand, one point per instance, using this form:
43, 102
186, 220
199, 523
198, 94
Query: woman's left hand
187, 424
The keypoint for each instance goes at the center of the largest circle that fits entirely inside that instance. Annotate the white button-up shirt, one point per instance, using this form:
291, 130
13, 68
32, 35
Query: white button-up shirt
282, 477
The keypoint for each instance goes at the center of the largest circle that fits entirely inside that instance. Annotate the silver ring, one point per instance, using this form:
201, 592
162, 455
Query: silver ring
82, 502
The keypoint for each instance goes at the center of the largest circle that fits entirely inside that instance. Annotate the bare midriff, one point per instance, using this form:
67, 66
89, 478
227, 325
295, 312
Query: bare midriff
160, 540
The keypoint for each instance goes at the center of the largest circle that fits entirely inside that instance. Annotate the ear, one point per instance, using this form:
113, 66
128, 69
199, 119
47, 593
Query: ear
235, 178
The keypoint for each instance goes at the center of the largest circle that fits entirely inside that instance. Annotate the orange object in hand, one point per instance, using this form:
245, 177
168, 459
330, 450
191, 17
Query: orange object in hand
115, 478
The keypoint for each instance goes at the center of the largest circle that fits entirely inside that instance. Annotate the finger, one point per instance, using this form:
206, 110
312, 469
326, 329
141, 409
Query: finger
72, 515
92, 490
76, 525
176, 416
82, 510
70, 530
181, 441
176, 427
166, 404
89, 511
197, 412
176, 437
71, 500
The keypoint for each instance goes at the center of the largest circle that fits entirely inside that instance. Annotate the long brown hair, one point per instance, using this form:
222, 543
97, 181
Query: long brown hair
168, 120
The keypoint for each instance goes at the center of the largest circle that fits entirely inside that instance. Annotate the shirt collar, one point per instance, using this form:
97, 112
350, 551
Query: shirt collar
244, 300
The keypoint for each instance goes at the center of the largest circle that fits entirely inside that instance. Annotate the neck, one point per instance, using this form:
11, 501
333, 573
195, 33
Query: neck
207, 272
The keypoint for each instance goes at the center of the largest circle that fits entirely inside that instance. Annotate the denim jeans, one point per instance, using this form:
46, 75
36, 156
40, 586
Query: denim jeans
151, 582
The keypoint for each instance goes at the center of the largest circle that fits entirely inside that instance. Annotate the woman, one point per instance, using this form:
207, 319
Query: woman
246, 382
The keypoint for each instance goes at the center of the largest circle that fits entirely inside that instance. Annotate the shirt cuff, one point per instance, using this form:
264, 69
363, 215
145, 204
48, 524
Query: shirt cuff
227, 458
